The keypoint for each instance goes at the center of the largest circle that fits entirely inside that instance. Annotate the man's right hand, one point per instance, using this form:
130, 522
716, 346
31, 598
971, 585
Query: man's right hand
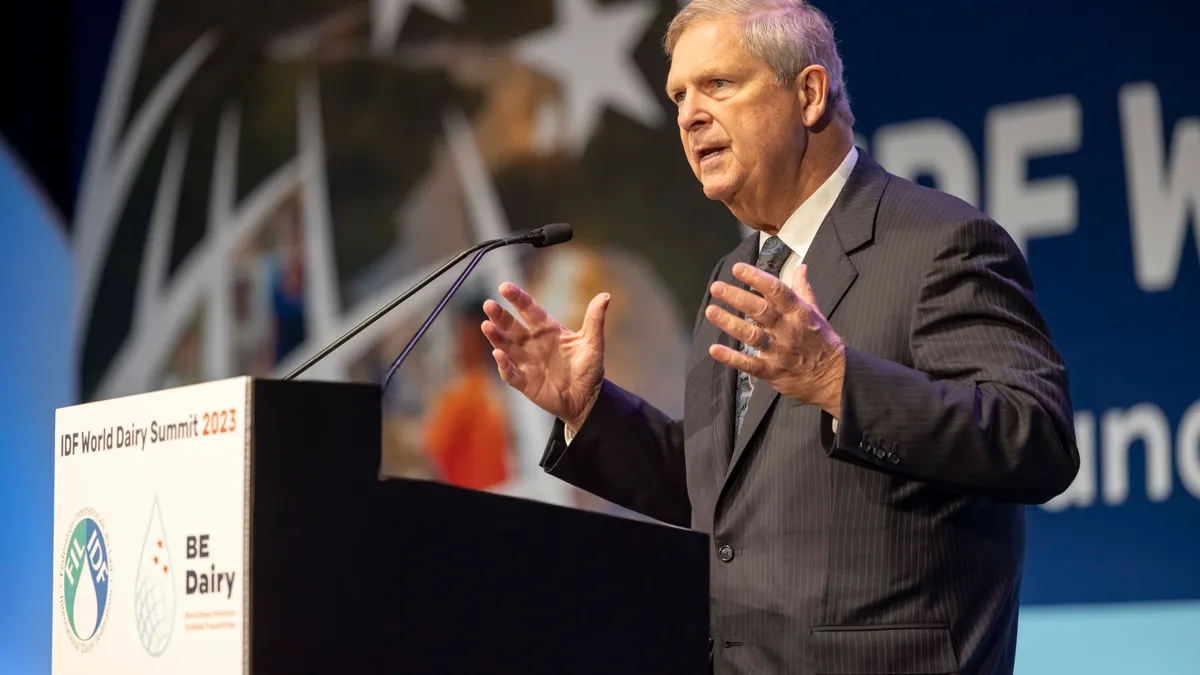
558, 369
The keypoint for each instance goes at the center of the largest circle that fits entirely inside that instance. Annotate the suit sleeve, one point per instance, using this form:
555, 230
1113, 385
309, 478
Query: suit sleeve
985, 409
628, 452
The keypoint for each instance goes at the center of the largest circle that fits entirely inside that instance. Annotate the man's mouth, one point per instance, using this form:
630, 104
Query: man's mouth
708, 153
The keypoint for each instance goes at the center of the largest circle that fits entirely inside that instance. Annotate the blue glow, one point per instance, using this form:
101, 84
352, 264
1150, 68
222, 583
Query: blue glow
35, 357
1159, 638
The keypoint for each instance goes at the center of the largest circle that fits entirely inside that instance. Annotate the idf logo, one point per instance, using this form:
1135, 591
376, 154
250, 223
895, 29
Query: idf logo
86, 592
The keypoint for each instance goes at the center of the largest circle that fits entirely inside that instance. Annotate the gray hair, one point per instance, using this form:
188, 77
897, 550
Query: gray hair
790, 35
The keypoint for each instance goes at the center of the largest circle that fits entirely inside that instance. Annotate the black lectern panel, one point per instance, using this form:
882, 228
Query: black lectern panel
315, 463
350, 574
480, 583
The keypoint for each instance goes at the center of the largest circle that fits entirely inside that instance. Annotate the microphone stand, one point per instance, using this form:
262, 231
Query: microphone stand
547, 235
487, 248
494, 243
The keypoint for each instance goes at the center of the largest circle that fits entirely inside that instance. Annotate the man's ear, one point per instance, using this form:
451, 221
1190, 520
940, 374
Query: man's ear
812, 87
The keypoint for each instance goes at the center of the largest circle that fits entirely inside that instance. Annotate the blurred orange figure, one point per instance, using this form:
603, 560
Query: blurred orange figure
468, 429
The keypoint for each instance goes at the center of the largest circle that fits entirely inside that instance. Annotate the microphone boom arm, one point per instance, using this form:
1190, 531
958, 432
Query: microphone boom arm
387, 308
547, 235
488, 247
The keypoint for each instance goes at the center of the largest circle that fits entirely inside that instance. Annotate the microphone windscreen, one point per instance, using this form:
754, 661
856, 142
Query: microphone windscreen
554, 233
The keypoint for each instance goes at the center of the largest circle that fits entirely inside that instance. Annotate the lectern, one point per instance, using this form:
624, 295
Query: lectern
241, 526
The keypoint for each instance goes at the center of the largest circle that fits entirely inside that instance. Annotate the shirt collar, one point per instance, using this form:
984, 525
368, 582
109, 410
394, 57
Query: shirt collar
801, 227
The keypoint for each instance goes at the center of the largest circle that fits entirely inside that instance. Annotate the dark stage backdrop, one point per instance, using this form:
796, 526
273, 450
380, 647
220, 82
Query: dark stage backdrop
193, 190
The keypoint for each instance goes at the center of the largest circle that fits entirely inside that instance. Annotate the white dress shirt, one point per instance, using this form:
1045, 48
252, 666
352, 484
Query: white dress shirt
799, 229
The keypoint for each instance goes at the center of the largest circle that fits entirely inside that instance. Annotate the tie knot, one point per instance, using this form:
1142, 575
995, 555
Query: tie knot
772, 256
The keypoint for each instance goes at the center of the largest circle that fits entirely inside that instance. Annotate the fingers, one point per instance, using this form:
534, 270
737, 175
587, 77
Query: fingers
737, 359
504, 321
499, 330
758, 308
508, 370
593, 321
502, 346
741, 330
772, 289
496, 336
529, 310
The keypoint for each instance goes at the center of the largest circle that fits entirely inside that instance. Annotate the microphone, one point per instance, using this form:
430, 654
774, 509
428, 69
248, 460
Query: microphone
546, 235
541, 237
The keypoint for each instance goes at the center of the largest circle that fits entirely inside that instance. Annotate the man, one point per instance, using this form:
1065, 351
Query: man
860, 444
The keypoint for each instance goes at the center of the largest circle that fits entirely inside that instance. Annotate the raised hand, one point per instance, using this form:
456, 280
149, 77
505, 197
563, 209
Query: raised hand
799, 353
560, 370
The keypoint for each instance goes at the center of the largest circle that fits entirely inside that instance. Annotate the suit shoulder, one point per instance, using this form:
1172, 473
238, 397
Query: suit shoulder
908, 210
905, 200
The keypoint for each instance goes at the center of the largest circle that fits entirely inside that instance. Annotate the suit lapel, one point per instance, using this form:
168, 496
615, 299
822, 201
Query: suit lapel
726, 377
848, 226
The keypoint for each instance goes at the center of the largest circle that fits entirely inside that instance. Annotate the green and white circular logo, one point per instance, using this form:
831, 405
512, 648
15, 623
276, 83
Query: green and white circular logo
85, 593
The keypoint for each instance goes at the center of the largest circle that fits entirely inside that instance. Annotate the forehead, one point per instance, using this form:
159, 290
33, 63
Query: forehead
706, 46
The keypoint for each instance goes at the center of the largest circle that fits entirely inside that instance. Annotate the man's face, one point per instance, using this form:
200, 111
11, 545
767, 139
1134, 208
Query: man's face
741, 131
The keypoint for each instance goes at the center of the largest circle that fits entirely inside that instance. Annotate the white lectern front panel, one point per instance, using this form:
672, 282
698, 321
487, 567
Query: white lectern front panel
150, 532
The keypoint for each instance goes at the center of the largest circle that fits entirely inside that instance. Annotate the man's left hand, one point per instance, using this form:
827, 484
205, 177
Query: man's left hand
799, 353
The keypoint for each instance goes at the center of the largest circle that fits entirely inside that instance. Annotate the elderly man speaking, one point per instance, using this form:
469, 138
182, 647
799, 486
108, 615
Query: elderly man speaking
872, 394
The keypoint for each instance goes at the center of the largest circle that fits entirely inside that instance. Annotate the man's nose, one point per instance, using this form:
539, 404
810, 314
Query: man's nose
692, 115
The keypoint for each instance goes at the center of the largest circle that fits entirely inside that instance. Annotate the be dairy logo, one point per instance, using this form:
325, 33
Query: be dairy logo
154, 589
86, 591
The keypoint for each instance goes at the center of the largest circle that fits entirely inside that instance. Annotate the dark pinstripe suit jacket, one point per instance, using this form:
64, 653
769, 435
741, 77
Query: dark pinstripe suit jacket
896, 544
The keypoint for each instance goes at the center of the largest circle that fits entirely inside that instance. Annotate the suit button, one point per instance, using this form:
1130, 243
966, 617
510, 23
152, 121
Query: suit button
880, 453
725, 553
895, 459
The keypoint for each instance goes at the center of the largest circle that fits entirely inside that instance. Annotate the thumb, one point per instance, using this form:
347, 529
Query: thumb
593, 321
802, 288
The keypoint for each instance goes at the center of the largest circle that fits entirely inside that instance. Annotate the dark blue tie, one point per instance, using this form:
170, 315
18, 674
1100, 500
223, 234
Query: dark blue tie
770, 259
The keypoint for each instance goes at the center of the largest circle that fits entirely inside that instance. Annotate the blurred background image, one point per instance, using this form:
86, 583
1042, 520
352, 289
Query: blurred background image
193, 190
295, 173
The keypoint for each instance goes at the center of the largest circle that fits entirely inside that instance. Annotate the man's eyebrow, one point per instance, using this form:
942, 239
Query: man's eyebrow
700, 76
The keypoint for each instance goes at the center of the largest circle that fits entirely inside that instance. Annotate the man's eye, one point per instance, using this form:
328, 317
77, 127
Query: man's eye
720, 83
678, 97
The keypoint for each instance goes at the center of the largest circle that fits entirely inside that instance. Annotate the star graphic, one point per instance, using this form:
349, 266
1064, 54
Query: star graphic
160, 543
387, 18
164, 569
155, 560
589, 50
